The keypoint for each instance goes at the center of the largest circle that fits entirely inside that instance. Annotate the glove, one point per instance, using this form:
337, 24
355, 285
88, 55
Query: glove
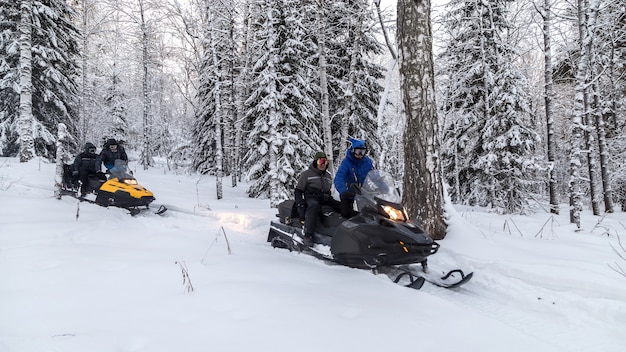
301, 210
355, 188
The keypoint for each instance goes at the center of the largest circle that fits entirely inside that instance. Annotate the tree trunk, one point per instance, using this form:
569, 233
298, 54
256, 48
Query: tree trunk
603, 150
146, 100
549, 94
423, 184
82, 116
380, 115
242, 91
61, 159
586, 40
592, 163
25, 118
326, 128
578, 115
217, 114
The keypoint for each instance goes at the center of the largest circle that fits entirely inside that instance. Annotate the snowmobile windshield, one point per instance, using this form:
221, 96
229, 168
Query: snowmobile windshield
380, 184
120, 170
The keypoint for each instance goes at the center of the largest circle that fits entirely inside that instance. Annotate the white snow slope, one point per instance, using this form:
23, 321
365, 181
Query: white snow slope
76, 277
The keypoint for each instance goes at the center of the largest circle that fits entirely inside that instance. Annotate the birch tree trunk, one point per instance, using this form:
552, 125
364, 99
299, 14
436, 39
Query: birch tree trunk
578, 115
549, 95
592, 163
146, 99
603, 150
217, 113
62, 158
586, 39
242, 93
380, 114
321, 47
82, 118
25, 119
423, 184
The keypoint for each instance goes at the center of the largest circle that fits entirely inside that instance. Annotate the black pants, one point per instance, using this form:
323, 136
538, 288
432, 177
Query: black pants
347, 206
84, 177
313, 211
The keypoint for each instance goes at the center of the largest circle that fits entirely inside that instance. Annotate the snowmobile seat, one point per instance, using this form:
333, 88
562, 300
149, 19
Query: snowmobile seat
330, 218
287, 212
95, 181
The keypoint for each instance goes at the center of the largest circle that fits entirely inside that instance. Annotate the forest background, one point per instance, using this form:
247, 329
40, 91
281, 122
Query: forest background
530, 94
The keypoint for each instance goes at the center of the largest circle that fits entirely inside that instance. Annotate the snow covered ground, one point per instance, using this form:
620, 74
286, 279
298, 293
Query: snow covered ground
106, 281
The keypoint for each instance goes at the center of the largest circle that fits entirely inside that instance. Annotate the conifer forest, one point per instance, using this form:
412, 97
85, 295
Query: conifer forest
515, 105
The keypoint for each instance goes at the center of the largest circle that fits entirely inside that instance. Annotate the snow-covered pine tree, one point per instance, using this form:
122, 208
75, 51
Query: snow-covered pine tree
216, 92
232, 66
353, 77
390, 156
54, 68
488, 155
214, 71
321, 24
281, 106
108, 104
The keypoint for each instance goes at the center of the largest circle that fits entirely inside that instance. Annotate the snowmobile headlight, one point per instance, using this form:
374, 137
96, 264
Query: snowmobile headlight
393, 213
130, 181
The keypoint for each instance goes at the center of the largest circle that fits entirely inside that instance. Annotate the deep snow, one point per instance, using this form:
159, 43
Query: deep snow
106, 281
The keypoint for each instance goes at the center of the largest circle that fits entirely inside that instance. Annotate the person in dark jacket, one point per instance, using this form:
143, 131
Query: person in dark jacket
352, 171
84, 167
110, 152
313, 191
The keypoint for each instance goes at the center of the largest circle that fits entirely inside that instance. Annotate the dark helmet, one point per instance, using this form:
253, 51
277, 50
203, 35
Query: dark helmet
111, 141
90, 147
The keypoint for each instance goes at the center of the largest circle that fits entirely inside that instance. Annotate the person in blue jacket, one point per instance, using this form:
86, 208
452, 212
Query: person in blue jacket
352, 170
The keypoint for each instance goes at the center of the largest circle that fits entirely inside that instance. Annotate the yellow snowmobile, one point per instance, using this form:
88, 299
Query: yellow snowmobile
121, 190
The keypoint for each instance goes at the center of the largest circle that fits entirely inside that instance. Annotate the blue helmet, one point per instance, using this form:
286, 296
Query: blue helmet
357, 144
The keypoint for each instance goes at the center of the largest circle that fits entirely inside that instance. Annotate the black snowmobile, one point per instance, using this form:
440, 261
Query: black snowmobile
380, 237
120, 189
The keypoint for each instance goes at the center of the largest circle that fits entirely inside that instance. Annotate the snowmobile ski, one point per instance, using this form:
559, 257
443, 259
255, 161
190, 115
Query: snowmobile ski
454, 278
415, 282
451, 279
